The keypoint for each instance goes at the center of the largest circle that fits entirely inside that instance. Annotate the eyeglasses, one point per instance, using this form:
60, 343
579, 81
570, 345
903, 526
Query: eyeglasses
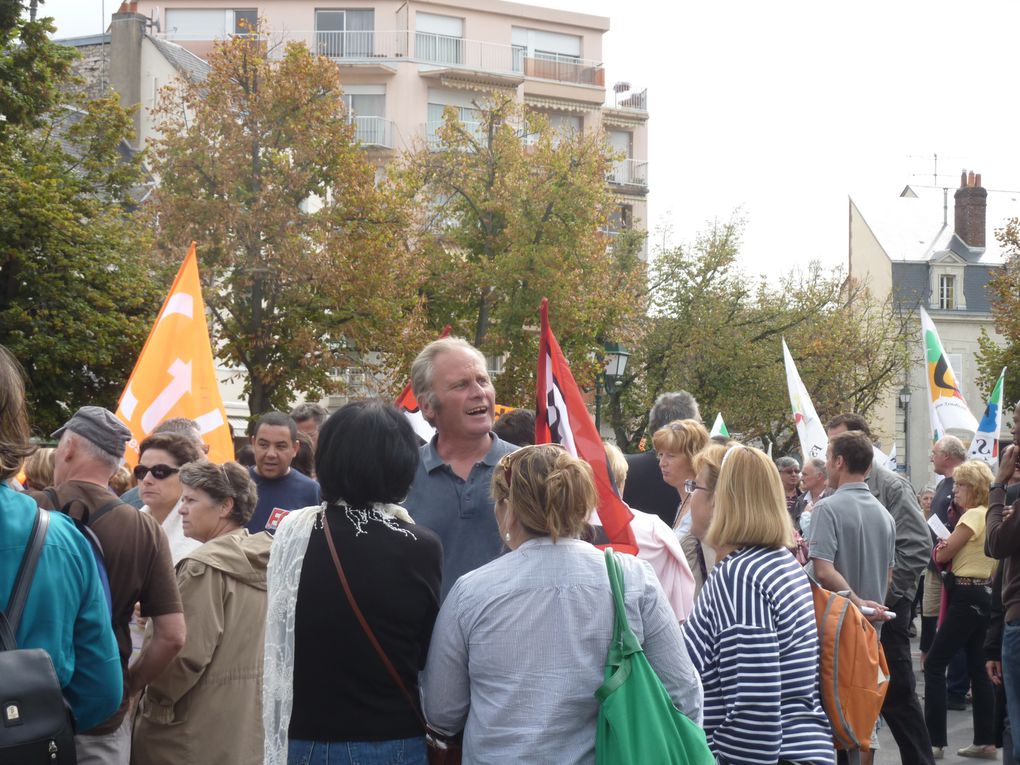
507, 462
159, 472
690, 486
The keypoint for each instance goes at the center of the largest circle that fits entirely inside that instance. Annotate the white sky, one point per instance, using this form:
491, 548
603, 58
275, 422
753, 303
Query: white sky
784, 109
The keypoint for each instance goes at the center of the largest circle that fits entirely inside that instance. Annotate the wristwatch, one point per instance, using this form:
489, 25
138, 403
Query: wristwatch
995, 486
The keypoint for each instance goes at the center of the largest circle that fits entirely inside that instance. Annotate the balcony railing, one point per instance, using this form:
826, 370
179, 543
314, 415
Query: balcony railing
637, 101
629, 172
373, 131
444, 50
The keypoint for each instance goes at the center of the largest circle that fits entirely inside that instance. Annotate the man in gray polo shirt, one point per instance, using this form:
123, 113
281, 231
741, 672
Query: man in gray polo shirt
853, 538
451, 490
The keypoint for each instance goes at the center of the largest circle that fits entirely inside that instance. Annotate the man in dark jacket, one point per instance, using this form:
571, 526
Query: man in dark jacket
645, 490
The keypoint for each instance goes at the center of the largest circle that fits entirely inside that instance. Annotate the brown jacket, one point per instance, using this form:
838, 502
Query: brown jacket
206, 706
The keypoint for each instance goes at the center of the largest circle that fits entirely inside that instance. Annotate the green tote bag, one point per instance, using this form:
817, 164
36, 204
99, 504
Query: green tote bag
638, 722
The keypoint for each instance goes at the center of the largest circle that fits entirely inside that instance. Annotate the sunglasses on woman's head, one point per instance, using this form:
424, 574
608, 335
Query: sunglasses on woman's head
159, 472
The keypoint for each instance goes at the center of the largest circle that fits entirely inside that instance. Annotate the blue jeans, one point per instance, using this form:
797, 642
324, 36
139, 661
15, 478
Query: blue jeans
1011, 679
401, 751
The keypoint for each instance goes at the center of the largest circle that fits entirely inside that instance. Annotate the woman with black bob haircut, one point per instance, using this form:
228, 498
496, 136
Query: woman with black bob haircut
327, 693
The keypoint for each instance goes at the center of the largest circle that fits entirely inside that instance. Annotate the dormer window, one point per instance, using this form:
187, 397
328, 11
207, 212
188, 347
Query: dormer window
947, 292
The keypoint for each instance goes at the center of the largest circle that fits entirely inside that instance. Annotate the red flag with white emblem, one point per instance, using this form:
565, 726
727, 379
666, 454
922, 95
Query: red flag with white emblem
562, 417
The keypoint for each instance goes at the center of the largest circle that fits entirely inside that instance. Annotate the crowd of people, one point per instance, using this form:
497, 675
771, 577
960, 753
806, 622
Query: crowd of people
343, 588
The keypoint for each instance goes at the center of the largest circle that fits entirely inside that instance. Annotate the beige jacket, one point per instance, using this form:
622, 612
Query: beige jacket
206, 706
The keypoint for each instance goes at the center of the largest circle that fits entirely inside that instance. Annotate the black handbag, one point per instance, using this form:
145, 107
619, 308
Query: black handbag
36, 724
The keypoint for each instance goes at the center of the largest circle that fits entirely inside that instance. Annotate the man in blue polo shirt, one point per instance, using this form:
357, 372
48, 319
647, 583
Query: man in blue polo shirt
451, 490
280, 488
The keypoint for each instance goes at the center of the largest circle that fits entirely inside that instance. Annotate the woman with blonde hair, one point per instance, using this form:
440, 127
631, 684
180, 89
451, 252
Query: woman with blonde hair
520, 644
676, 444
39, 470
702, 505
965, 621
753, 636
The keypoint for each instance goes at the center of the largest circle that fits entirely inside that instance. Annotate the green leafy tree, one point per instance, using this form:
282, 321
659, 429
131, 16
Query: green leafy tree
512, 212
717, 333
77, 292
303, 259
1005, 295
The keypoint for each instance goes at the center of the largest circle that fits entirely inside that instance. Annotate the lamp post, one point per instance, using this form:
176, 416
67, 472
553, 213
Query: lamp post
905, 406
614, 364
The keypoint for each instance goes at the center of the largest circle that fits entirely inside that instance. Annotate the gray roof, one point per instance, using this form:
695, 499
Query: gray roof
912, 285
183, 60
80, 42
918, 224
975, 288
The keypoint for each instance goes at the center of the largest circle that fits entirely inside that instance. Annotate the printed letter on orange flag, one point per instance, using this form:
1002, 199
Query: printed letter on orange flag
562, 417
175, 375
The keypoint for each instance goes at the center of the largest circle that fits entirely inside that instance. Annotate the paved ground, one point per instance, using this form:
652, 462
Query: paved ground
960, 729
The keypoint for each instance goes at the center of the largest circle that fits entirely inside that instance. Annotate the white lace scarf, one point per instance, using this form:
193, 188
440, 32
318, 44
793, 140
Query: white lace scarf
284, 576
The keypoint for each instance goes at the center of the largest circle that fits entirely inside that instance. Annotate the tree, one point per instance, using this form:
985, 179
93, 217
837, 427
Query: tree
302, 259
514, 211
77, 293
717, 333
1005, 295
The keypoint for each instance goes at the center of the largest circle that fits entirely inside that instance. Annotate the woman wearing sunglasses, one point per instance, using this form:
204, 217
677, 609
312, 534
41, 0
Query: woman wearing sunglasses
161, 456
206, 705
536, 624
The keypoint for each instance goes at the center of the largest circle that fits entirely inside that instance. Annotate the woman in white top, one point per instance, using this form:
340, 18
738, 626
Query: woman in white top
520, 644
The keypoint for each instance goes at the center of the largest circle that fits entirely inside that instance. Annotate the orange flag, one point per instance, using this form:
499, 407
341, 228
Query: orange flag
175, 375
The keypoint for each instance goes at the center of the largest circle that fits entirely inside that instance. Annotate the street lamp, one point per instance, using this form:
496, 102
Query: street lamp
905, 406
614, 365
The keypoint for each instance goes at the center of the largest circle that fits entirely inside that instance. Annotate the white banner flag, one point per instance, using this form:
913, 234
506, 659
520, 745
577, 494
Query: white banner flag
813, 441
949, 408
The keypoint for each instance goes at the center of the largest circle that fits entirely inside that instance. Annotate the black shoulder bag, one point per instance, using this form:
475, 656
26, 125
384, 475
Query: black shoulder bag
36, 725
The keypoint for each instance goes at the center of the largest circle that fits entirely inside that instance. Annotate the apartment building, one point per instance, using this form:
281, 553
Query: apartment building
403, 63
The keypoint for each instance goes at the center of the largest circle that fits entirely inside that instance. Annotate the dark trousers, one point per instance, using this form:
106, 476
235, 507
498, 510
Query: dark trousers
958, 677
964, 626
902, 710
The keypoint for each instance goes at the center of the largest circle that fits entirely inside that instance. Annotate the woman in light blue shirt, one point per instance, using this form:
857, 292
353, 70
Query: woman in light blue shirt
520, 644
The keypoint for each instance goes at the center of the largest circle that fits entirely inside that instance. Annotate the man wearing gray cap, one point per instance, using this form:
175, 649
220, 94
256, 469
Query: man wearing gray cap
137, 559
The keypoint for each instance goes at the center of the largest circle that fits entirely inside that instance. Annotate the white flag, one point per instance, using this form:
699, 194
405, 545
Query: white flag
813, 441
985, 445
719, 427
949, 408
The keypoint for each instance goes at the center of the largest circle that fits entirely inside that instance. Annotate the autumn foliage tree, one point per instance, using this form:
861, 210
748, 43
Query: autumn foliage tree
513, 211
77, 293
715, 331
303, 258
1005, 297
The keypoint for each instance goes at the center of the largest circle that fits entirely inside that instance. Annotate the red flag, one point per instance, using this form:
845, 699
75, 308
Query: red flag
408, 404
561, 417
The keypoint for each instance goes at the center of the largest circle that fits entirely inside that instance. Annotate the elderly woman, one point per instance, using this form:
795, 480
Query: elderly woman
752, 635
205, 706
965, 621
329, 697
520, 645
675, 445
656, 544
161, 456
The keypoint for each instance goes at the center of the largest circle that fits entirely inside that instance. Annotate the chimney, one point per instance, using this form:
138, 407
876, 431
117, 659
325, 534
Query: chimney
127, 29
971, 210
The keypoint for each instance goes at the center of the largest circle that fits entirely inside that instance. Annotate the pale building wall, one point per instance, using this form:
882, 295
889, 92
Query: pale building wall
156, 73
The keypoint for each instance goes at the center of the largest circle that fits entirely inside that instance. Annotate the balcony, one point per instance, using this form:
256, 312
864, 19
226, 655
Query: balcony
629, 172
373, 132
374, 47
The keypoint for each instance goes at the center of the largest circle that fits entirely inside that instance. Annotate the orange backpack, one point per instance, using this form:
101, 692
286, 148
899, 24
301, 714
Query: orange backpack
853, 676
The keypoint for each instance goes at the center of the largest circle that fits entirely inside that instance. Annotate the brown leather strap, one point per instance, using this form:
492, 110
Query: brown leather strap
364, 624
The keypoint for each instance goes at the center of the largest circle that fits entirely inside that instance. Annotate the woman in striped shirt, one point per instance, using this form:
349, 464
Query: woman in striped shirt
752, 635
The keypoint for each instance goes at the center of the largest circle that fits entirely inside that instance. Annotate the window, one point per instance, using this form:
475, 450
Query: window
469, 116
956, 362
439, 39
621, 219
246, 22
209, 24
549, 55
343, 33
947, 292
366, 108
